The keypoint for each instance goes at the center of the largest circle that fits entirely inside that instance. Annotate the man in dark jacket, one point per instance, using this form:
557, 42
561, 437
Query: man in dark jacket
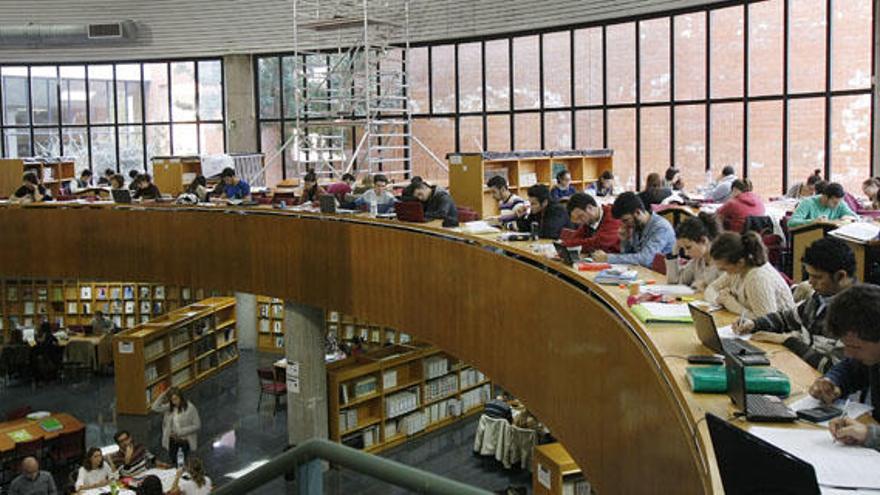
830, 264
437, 202
550, 216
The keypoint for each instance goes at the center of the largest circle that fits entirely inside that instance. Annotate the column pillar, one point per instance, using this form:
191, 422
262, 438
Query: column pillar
241, 123
246, 320
304, 347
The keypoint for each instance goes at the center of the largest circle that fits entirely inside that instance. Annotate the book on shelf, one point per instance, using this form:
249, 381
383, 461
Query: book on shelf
402, 402
404, 338
365, 386
101, 293
117, 320
349, 332
11, 294
389, 379
57, 294
42, 294
435, 366
128, 292
85, 292
333, 316
159, 292
348, 419
129, 307
129, 321
115, 293
364, 334
279, 342
264, 310
144, 292
264, 326
86, 309
185, 293
29, 308
277, 327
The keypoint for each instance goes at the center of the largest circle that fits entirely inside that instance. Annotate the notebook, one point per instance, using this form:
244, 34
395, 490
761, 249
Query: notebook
51, 424
20, 436
652, 312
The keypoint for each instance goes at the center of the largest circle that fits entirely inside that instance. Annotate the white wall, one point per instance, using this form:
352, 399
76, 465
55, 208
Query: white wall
187, 28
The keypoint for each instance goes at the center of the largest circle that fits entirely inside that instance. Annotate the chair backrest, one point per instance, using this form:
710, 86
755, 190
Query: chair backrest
466, 214
30, 448
659, 263
18, 413
761, 224
266, 374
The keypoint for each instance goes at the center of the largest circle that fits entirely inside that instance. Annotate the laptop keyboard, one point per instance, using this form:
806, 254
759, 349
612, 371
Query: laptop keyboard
739, 347
768, 407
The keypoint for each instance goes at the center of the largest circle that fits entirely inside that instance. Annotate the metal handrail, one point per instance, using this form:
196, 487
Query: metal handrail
312, 451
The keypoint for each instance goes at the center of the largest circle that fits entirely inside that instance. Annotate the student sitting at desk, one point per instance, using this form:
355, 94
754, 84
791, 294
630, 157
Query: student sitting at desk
563, 188
827, 205
84, 182
379, 194
342, 188
197, 191
145, 189
604, 186
807, 188
31, 191
437, 202
311, 190
673, 179
232, 187
852, 317
101, 325
549, 215
131, 459
721, 191
117, 181
655, 192
132, 178
596, 226
32, 481
643, 234
105, 177
47, 354
750, 286
830, 264
743, 203
694, 236
871, 188
95, 471
510, 205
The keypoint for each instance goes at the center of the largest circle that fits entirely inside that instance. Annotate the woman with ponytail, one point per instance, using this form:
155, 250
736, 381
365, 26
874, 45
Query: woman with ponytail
193, 481
749, 286
807, 188
694, 237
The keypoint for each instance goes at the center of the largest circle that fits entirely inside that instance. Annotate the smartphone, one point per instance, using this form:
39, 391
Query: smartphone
819, 414
704, 359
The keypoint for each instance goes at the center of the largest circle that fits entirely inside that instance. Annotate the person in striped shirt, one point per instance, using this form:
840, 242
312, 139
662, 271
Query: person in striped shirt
511, 206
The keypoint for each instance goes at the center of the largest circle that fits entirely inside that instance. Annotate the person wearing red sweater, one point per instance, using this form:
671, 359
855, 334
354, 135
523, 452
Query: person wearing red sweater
597, 227
743, 203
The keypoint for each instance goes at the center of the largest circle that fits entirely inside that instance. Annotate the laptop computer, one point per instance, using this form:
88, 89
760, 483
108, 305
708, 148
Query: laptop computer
707, 332
750, 465
121, 196
756, 407
410, 211
327, 203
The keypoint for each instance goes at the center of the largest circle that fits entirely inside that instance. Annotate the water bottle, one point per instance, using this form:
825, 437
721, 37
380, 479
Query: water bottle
535, 231
374, 208
114, 488
180, 458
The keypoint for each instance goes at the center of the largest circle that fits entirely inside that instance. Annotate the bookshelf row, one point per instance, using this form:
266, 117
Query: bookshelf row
178, 349
383, 397
54, 173
67, 303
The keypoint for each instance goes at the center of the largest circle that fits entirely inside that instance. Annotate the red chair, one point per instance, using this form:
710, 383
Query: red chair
272, 385
659, 263
466, 214
18, 413
68, 448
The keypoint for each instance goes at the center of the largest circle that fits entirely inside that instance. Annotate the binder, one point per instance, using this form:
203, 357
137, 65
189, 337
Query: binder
650, 312
759, 380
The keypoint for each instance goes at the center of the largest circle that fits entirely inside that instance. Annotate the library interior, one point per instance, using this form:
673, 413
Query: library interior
448, 248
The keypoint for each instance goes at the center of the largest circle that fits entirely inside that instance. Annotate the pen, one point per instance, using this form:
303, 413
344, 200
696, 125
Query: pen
843, 416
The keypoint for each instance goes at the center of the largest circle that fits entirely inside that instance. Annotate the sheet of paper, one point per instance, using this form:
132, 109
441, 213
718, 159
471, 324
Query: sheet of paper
668, 290
479, 227
727, 332
835, 464
661, 310
860, 231
828, 490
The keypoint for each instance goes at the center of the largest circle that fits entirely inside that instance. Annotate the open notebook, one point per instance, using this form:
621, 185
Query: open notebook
652, 312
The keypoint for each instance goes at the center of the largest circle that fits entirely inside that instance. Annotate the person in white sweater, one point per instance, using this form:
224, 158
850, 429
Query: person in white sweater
180, 423
95, 471
750, 286
694, 236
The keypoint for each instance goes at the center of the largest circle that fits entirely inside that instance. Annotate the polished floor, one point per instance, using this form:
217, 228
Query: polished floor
235, 436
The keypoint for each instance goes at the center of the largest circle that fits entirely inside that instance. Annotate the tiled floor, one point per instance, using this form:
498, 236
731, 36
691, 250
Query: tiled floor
234, 434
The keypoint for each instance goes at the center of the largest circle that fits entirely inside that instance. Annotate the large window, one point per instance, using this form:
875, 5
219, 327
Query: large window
115, 116
755, 85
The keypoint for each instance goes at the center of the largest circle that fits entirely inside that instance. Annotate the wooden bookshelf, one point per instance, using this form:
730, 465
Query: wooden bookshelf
181, 349
54, 173
554, 472
270, 324
172, 174
11, 171
388, 395
469, 172
67, 303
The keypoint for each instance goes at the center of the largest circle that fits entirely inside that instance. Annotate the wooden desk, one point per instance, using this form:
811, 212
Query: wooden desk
867, 254
69, 422
801, 237
612, 389
101, 354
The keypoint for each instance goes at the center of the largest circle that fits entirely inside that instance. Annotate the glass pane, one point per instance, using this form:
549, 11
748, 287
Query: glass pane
851, 140
621, 66
289, 72
765, 47
128, 94
851, 45
622, 139
211, 139
270, 140
103, 149
557, 131
588, 124
44, 94
557, 70
527, 131
654, 50
183, 91
76, 146
18, 143
158, 141
470, 133
417, 71
470, 78
806, 138
806, 57
690, 144
269, 87
654, 141
156, 92
765, 147
15, 98
443, 78
47, 142
101, 107
185, 139
727, 52
439, 136
131, 149
210, 90
726, 137
73, 94
690, 56
526, 73
588, 66
497, 75
498, 132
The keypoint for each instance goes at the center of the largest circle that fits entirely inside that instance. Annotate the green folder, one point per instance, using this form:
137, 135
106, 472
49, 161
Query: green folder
759, 380
20, 436
51, 424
